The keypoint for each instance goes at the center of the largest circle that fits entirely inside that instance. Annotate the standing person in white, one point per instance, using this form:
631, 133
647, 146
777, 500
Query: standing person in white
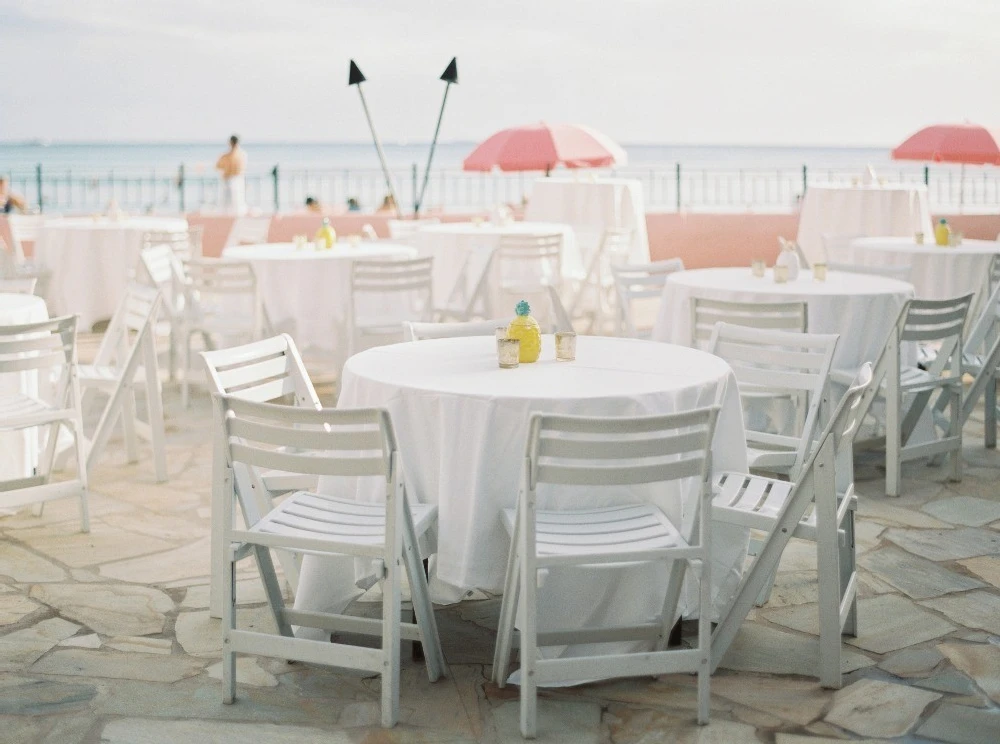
231, 167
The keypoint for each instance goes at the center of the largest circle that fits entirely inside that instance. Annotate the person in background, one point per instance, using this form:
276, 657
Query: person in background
231, 166
352, 205
9, 201
388, 205
313, 205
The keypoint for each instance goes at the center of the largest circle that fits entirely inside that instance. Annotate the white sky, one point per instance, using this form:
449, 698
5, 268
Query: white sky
835, 72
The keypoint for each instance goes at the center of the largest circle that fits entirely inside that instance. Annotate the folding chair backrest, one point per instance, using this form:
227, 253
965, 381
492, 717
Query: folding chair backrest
45, 345
935, 320
984, 330
220, 276
263, 371
24, 229
994, 277
641, 282
775, 316
893, 272
778, 363
248, 231
530, 259
428, 331
184, 244
136, 315
18, 286
405, 228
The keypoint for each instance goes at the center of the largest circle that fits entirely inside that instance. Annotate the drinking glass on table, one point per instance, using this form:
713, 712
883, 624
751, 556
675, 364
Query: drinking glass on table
780, 273
819, 272
758, 267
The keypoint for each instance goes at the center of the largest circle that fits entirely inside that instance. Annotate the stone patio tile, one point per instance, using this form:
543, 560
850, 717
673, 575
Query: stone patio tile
63, 512
885, 623
249, 672
189, 561
987, 567
155, 731
916, 577
23, 647
867, 535
90, 640
109, 609
783, 738
248, 591
87, 663
794, 700
163, 526
675, 692
769, 651
14, 607
68, 545
559, 721
25, 567
966, 510
201, 635
948, 680
893, 515
981, 661
141, 645
36, 697
973, 610
164, 498
912, 662
959, 724
947, 545
643, 726
792, 588
881, 709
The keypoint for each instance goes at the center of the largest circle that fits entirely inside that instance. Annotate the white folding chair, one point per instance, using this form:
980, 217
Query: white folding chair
24, 229
594, 453
124, 364
774, 316
221, 300
470, 294
386, 294
46, 349
13, 263
161, 267
525, 267
405, 228
771, 365
266, 371
427, 331
25, 285
819, 507
893, 272
248, 231
595, 297
339, 443
184, 244
640, 288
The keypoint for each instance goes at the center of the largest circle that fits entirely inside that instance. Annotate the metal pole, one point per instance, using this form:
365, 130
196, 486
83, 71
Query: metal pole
678, 181
38, 185
430, 155
180, 187
927, 175
274, 177
381, 155
413, 186
805, 177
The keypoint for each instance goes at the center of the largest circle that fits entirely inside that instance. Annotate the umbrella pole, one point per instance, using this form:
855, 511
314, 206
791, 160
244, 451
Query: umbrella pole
381, 155
961, 191
430, 156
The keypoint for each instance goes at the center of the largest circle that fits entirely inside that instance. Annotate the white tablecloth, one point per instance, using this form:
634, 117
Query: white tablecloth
19, 449
461, 250
936, 272
91, 261
592, 206
861, 308
307, 292
462, 425
860, 210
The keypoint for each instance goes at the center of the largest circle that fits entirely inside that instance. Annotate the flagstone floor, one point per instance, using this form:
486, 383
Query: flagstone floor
106, 636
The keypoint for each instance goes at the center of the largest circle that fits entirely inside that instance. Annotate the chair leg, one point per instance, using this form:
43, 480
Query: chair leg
422, 607
228, 625
893, 434
990, 403
956, 431
674, 586
128, 423
848, 571
186, 371
529, 648
82, 471
705, 643
391, 606
508, 611
272, 590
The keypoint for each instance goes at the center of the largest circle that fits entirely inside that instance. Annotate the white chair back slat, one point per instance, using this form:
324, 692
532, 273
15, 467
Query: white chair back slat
18, 286
787, 316
248, 231
638, 287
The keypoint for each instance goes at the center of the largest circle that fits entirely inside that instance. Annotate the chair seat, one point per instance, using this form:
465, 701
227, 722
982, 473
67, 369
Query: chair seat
615, 529
19, 411
321, 517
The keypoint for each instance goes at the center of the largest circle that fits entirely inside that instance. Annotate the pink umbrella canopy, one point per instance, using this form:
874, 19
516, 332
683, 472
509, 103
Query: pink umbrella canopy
969, 144
541, 147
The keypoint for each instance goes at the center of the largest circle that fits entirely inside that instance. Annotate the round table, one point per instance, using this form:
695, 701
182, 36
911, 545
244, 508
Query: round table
936, 272
92, 260
19, 449
307, 292
462, 249
462, 423
859, 307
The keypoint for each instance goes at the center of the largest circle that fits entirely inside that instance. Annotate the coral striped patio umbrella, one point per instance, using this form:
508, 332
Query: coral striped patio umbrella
968, 144
541, 147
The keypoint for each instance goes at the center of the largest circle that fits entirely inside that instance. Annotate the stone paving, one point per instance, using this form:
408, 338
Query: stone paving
106, 637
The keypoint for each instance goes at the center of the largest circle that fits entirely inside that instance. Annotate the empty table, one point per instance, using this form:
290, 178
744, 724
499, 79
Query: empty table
19, 449
92, 260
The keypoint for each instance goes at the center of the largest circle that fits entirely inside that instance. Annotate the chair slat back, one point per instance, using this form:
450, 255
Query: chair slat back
262, 371
18, 286
529, 260
987, 325
935, 320
893, 272
643, 282
403, 275
248, 231
183, 244
427, 331
405, 228
220, 276
135, 316
775, 316
45, 345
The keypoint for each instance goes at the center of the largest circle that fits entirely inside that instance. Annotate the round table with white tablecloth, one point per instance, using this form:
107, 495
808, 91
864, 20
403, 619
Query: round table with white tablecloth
462, 424
19, 449
307, 293
92, 260
874, 209
860, 307
936, 272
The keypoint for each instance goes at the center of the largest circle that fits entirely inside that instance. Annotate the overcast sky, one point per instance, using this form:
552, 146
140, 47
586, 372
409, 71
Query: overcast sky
834, 72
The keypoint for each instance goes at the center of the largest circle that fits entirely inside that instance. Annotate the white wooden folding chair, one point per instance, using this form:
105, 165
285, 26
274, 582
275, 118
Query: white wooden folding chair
248, 231
384, 295
771, 365
338, 443
222, 300
184, 244
525, 266
594, 453
819, 507
639, 287
893, 272
774, 316
13, 263
469, 297
46, 349
161, 267
24, 229
125, 363
427, 331
24, 285
405, 228
595, 297
266, 371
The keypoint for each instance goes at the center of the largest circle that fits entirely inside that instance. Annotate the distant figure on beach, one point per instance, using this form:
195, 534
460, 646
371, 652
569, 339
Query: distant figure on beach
313, 205
231, 167
10, 201
352, 205
388, 205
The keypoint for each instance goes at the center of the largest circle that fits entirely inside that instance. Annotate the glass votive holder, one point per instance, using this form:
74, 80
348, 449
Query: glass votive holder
780, 274
959, 237
819, 272
354, 240
758, 267
501, 332
565, 346
319, 244
919, 237
299, 241
508, 352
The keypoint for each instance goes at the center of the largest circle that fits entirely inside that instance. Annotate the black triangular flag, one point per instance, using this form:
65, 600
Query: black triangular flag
450, 75
355, 76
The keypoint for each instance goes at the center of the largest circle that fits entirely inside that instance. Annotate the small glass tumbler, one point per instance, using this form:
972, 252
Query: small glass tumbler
919, 238
508, 352
354, 240
565, 346
758, 267
959, 237
501, 332
819, 272
780, 274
